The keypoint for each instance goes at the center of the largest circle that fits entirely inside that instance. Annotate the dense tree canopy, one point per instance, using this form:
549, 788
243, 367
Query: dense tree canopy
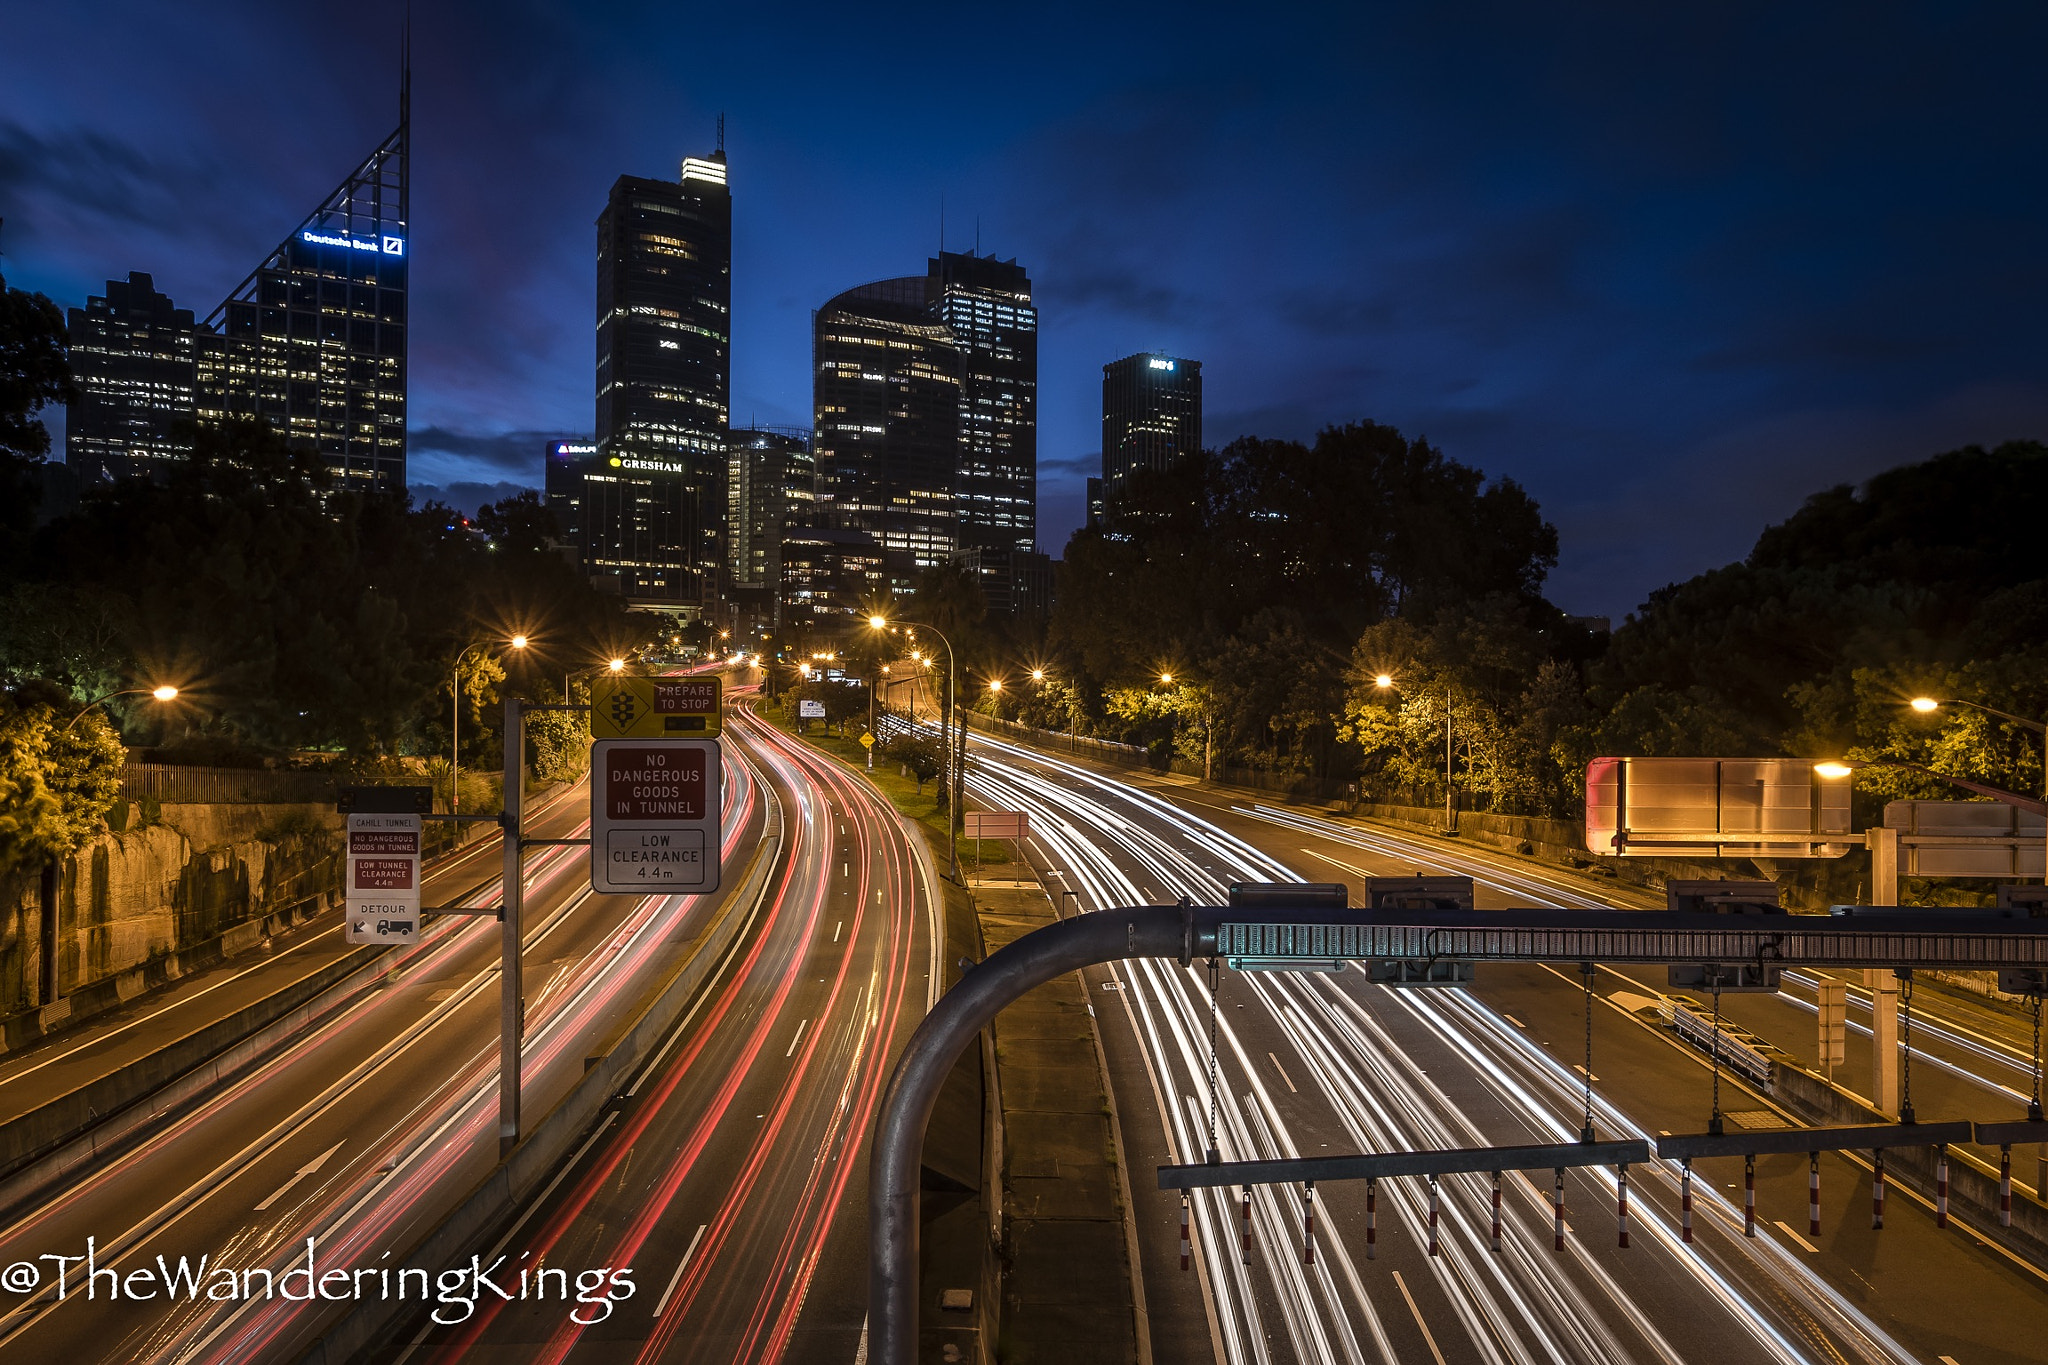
293, 614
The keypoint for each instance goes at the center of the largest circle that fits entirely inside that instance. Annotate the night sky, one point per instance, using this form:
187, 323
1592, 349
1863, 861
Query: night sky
1672, 272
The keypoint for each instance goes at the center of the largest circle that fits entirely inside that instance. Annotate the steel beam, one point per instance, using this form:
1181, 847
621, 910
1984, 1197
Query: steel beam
2016, 1130
1779, 1141
1381, 1165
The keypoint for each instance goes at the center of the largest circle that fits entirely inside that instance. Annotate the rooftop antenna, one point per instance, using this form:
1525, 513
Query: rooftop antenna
721, 133
405, 72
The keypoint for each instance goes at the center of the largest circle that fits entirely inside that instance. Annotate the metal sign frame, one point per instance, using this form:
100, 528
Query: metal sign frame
655, 811
383, 877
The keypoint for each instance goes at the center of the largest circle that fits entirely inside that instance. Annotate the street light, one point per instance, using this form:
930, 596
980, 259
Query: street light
164, 693
1384, 682
455, 730
878, 622
1929, 705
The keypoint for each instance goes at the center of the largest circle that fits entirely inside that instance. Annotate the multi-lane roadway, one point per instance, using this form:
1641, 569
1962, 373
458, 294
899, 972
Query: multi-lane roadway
1309, 1063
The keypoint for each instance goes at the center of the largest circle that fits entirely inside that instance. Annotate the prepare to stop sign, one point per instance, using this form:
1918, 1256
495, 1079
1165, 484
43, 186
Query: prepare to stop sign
654, 816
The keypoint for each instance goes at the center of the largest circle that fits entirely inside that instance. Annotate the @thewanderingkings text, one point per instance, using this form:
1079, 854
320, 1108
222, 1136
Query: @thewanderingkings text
455, 1292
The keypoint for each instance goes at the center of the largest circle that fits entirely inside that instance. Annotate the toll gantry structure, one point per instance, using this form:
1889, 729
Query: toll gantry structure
1422, 932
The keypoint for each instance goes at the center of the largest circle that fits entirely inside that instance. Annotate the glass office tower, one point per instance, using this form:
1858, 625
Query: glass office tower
886, 395
986, 305
314, 340
132, 363
1151, 416
664, 355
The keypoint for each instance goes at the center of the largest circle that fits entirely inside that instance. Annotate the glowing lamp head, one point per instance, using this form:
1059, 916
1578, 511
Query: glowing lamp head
519, 642
1038, 675
1924, 704
1166, 677
1832, 770
995, 684
1383, 680
165, 693
617, 665
877, 622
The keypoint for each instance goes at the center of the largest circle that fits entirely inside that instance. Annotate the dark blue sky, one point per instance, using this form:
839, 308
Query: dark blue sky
1671, 271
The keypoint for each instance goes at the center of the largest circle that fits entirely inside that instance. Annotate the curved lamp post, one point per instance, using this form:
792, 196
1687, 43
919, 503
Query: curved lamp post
954, 765
165, 693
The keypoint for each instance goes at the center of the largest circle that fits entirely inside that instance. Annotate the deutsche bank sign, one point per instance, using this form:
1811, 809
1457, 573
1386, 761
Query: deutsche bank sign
386, 246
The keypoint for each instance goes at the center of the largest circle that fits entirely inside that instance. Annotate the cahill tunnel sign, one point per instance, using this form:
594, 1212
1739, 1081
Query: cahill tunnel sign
654, 816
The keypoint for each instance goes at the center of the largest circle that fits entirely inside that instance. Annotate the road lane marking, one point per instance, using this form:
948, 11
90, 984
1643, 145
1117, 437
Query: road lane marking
794, 1041
683, 1265
308, 1169
1781, 1226
1418, 1318
836, 927
1516, 1022
1283, 1073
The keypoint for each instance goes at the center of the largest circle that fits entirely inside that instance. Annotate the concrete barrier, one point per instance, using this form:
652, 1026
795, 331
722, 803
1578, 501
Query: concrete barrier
550, 1141
1972, 1183
40, 1146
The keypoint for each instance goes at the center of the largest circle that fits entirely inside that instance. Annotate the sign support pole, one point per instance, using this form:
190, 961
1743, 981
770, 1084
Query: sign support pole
1884, 987
511, 1007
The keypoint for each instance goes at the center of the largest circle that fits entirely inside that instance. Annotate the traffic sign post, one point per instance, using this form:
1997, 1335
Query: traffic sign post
383, 888
654, 816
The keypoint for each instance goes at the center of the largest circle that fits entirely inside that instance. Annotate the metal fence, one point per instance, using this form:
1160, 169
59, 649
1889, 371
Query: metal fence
1130, 755
178, 785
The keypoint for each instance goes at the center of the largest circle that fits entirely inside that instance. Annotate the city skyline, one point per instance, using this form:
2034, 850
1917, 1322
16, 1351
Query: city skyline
1746, 290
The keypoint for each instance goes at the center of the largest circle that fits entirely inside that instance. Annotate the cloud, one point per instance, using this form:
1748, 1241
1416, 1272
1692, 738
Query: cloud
88, 169
506, 452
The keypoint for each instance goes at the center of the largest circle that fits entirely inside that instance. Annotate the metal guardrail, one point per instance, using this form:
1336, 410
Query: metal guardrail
178, 785
1742, 1052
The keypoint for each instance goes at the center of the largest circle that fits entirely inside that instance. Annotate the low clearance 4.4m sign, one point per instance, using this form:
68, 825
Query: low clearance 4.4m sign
654, 816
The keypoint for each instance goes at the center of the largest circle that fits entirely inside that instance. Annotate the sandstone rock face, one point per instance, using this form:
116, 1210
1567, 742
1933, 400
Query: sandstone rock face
166, 880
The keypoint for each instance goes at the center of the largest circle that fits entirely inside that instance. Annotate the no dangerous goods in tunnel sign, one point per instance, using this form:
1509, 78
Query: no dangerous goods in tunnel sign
383, 886
654, 816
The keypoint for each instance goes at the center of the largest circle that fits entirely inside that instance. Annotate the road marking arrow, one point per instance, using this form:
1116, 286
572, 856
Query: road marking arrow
308, 1169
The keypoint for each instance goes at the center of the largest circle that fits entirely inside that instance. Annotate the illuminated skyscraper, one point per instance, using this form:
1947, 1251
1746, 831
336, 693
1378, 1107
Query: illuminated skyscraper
986, 305
1151, 416
314, 340
131, 360
664, 356
885, 386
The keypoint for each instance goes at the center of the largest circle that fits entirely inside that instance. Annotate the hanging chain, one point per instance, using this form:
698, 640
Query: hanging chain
1215, 983
2034, 1103
1906, 1038
1586, 970
1714, 1120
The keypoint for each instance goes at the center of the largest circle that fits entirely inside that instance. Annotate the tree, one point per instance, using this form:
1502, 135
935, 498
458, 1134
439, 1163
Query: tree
921, 754
35, 371
57, 780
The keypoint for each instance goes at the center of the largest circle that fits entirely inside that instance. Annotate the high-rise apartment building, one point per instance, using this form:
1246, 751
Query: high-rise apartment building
664, 356
1151, 416
886, 397
132, 363
314, 340
986, 305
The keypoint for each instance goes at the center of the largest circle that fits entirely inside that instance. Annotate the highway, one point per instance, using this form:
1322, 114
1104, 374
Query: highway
726, 1178
1311, 1063
361, 1133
